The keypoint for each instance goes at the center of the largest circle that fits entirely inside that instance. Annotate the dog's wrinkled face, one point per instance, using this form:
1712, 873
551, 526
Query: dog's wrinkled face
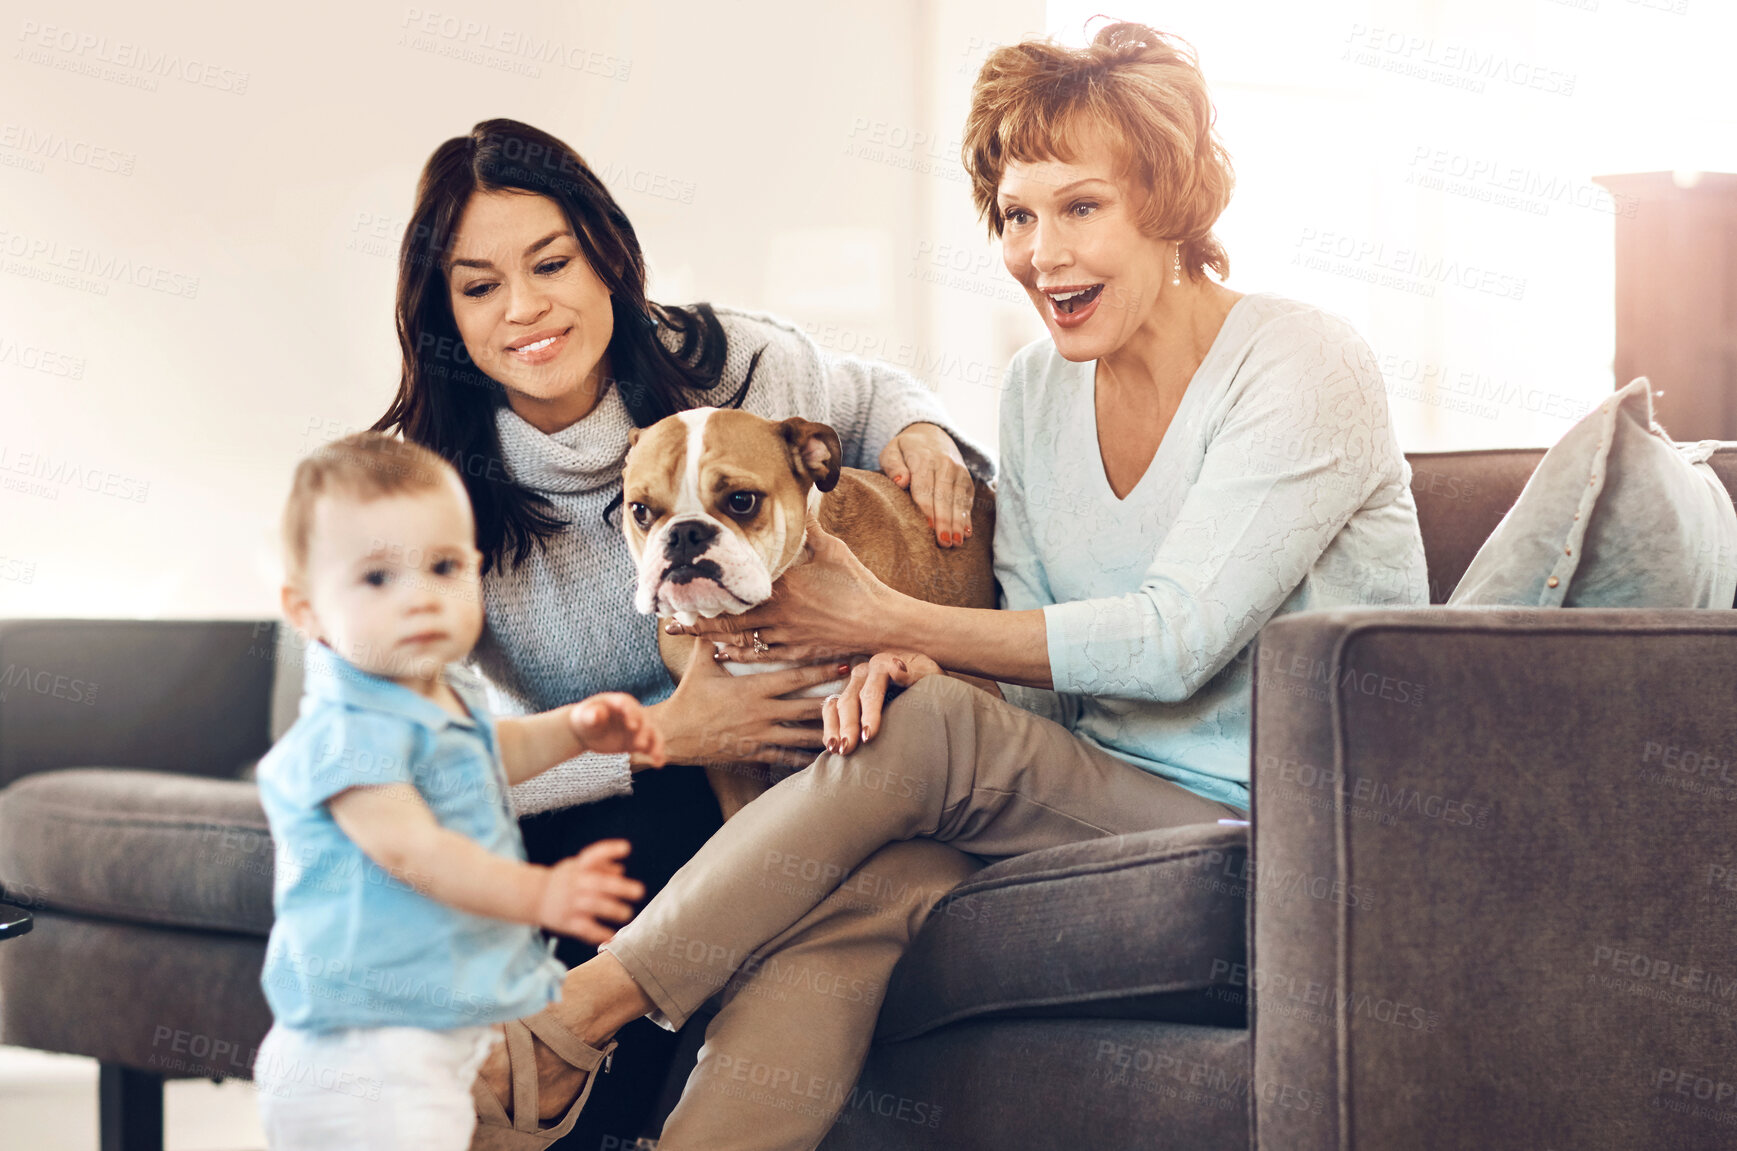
714, 504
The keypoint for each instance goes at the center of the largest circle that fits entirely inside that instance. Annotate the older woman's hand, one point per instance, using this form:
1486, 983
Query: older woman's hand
925, 461
829, 607
853, 716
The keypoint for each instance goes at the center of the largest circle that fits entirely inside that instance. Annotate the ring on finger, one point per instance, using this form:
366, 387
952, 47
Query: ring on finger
761, 647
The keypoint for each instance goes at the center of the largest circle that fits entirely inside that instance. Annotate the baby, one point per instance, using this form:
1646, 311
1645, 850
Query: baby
406, 914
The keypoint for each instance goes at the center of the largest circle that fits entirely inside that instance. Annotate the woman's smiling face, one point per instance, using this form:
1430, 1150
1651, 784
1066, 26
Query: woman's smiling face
1070, 238
532, 313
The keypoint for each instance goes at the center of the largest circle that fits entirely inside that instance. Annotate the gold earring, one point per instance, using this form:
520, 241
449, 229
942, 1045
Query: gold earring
1176, 275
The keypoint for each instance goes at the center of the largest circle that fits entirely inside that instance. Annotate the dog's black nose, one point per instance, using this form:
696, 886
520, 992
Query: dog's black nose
689, 539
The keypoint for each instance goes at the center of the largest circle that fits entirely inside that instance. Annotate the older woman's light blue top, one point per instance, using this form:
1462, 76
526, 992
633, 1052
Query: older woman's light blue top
1279, 486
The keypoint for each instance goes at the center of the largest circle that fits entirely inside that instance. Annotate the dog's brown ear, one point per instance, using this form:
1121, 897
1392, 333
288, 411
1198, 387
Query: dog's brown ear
633, 436
814, 451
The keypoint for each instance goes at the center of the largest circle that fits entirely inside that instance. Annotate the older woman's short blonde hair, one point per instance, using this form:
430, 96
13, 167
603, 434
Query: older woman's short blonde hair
1039, 100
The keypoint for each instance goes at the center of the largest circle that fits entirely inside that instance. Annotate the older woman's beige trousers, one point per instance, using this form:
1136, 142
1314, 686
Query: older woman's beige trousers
798, 909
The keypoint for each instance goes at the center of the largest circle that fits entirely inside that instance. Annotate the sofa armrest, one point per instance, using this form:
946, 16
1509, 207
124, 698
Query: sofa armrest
1495, 857
187, 696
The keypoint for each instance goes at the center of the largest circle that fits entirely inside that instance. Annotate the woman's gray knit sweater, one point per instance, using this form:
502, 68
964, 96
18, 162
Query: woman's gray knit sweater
561, 625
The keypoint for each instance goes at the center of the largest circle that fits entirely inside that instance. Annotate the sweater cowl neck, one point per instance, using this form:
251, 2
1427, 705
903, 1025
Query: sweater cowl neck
582, 457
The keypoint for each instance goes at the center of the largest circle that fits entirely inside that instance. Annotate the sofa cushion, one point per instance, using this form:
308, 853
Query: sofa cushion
1461, 497
139, 846
1057, 1085
1616, 515
177, 1003
1145, 926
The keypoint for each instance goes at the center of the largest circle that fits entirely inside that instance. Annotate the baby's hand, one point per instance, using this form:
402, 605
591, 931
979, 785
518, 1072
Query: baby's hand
588, 889
614, 721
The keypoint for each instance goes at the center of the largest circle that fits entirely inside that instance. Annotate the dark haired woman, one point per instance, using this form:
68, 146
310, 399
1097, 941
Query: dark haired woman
530, 352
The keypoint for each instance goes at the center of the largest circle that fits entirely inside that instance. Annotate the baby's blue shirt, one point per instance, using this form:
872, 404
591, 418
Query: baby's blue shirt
352, 946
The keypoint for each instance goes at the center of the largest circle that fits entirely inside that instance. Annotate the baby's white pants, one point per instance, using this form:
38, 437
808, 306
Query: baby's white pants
369, 1088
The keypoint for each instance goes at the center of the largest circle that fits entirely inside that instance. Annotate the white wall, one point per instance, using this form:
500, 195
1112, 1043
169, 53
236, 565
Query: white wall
199, 211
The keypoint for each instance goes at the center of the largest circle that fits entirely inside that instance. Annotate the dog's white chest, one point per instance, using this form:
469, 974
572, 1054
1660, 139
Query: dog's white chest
735, 667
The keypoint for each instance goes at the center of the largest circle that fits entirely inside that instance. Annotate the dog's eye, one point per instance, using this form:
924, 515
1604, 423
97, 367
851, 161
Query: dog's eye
742, 503
641, 516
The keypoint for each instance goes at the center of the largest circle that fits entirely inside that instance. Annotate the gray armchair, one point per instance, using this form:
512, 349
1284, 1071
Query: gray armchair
147, 867
1494, 912
1527, 935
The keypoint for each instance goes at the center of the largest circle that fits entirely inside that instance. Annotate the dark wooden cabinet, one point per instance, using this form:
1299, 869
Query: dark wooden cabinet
1676, 296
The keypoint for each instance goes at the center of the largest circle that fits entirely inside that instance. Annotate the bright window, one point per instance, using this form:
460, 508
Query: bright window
1426, 170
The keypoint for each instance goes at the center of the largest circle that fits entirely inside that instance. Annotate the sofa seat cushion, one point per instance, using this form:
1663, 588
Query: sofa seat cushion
138, 846
1056, 1085
1145, 926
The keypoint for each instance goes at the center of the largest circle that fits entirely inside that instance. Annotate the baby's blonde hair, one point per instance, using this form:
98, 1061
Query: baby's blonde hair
362, 467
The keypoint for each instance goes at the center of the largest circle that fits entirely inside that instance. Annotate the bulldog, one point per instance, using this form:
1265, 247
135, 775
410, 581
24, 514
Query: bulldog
715, 510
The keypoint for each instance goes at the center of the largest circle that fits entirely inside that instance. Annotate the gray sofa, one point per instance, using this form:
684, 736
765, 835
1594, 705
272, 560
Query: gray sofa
1488, 900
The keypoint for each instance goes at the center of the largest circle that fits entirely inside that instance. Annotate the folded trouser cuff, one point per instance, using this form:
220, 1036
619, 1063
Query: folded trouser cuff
666, 1011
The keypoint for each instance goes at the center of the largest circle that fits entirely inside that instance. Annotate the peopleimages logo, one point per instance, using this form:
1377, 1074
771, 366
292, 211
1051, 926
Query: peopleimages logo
1297, 673
1406, 269
39, 682
104, 267
33, 358
797, 1089
1690, 762
1270, 986
65, 473
40, 145
1510, 185
503, 48
380, 989
1640, 965
1369, 798
88, 49
1450, 62
1472, 390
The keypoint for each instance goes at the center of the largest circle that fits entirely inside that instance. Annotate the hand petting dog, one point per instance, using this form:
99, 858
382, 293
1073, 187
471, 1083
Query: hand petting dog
924, 460
822, 609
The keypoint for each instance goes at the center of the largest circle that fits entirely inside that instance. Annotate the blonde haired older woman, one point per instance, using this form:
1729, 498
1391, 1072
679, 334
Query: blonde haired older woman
1180, 463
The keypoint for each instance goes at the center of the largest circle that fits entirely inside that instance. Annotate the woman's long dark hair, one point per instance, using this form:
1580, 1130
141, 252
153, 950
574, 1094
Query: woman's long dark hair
446, 403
